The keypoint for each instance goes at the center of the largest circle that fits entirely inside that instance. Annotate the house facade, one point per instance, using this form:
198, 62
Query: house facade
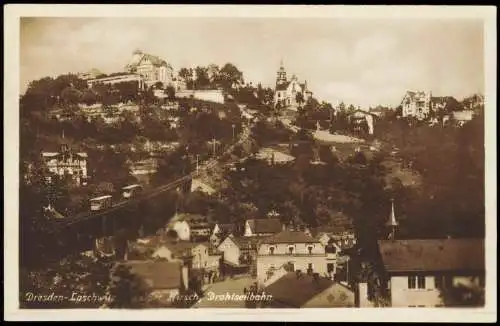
191, 227
183, 230
296, 250
240, 252
67, 162
416, 104
151, 68
420, 272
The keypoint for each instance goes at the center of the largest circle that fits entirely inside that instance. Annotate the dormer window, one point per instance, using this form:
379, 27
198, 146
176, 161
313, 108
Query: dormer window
271, 250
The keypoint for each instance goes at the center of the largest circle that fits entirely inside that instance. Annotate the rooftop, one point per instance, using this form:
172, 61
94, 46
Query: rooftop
433, 255
295, 291
248, 242
290, 237
158, 274
269, 225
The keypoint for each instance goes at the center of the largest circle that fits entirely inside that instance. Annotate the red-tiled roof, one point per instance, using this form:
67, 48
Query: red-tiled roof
269, 225
433, 255
290, 237
158, 274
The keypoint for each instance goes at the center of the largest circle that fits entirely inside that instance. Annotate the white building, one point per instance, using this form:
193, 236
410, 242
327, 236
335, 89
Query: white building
119, 78
286, 91
152, 68
462, 116
297, 251
416, 104
92, 74
67, 162
191, 226
419, 270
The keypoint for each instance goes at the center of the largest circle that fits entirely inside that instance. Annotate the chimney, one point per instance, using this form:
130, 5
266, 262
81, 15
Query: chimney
185, 276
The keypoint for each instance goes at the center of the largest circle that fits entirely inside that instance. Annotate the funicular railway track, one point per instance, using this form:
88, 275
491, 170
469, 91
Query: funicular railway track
59, 225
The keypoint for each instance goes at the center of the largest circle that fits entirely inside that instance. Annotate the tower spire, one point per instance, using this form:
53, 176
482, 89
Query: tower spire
281, 74
392, 223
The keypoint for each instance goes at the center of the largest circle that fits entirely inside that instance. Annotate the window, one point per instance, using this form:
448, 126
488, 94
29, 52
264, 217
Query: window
329, 267
290, 250
439, 281
310, 249
271, 250
412, 280
421, 282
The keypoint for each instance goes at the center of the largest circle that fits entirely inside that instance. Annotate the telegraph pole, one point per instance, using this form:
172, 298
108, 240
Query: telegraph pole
197, 164
213, 143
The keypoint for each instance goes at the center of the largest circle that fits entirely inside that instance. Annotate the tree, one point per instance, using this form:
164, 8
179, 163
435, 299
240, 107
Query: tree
158, 85
128, 91
170, 93
89, 97
299, 98
187, 75
71, 277
128, 290
71, 96
229, 75
463, 296
202, 79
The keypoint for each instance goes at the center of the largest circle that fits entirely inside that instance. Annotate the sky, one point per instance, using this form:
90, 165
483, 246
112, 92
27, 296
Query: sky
359, 61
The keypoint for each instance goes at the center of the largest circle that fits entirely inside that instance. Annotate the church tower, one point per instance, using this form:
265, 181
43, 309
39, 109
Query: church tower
281, 74
392, 224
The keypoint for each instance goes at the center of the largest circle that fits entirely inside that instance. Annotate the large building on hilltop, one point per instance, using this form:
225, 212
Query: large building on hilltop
285, 92
152, 68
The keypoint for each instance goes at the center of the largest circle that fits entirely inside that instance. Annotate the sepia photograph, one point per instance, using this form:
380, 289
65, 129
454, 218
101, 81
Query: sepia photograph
250, 158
